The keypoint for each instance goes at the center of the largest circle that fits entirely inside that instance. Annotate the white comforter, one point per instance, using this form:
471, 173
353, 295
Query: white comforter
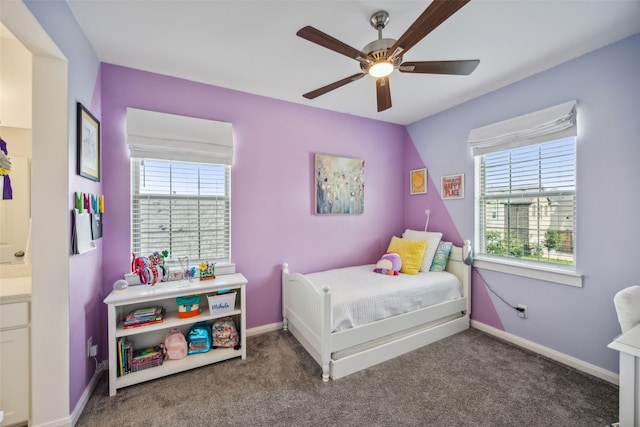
360, 296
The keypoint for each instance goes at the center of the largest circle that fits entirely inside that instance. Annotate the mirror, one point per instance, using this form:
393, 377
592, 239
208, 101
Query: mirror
15, 131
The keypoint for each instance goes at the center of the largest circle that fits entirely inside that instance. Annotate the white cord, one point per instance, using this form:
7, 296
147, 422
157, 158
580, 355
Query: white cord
99, 366
427, 212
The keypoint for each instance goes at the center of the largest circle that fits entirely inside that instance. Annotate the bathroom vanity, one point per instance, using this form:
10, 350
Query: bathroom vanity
15, 305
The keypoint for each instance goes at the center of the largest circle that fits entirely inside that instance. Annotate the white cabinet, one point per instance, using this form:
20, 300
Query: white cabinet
164, 294
14, 362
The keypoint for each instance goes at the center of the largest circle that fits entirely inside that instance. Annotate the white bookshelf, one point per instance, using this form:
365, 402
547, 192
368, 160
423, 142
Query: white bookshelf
164, 294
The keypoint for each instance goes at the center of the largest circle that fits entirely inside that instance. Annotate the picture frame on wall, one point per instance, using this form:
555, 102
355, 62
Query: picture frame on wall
88, 137
452, 186
339, 185
418, 181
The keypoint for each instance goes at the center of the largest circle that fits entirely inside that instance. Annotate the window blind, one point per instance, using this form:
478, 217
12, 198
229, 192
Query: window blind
154, 135
180, 185
181, 207
549, 124
526, 202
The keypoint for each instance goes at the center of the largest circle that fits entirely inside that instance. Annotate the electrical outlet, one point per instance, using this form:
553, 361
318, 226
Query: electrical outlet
93, 350
523, 312
89, 344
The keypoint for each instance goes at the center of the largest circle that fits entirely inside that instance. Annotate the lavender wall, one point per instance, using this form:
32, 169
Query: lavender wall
579, 322
272, 191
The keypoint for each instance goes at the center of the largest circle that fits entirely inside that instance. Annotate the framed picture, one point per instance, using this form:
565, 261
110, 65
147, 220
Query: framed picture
418, 181
88, 134
453, 187
339, 185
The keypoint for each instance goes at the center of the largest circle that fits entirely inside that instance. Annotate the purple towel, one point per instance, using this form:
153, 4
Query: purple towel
7, 191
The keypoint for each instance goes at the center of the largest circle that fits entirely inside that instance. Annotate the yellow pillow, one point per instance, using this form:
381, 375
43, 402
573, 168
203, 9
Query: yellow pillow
411, 252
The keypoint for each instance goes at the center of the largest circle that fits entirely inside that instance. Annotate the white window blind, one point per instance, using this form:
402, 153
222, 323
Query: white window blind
180, 185
180, 207
550, 124
155, 135
526, 187
526, 203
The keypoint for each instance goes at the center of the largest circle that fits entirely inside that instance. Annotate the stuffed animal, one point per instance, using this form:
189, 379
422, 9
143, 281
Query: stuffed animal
389, 264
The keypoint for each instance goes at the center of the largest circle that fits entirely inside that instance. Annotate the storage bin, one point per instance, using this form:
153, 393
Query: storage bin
188, 306
221, 303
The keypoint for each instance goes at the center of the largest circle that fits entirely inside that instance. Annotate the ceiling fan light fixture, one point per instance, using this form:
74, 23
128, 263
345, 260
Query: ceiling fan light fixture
381, 68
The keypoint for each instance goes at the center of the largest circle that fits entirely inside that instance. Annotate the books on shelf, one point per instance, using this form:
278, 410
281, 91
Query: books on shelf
143, 317
125, 355
146, 358
131, 360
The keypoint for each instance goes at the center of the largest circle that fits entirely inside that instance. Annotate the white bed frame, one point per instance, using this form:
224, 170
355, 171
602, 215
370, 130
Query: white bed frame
306, 313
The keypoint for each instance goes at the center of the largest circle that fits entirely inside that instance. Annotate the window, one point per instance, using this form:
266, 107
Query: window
526, 202
525, 184
180, 207
180, 186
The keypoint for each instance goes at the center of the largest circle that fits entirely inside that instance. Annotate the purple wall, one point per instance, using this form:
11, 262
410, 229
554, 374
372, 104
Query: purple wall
579, 322
272, 190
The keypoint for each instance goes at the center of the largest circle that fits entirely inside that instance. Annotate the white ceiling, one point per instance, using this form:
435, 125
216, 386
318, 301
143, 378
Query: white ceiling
252, 46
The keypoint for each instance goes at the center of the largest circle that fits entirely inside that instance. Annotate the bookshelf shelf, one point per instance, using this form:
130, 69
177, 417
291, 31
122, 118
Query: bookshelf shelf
171, 320
164, 294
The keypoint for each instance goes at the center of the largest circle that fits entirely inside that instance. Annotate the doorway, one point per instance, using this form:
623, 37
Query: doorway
49, 343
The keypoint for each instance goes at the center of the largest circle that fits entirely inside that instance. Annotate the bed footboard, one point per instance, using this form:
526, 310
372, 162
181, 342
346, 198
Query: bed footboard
306, 313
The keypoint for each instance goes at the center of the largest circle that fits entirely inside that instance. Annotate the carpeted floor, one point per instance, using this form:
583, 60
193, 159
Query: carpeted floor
469, 379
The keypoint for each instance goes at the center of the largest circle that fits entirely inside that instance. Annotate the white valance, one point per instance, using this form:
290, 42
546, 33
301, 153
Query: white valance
154, 135
544, 125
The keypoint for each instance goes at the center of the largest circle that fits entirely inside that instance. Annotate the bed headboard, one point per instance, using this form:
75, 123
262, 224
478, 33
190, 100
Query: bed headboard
456, 266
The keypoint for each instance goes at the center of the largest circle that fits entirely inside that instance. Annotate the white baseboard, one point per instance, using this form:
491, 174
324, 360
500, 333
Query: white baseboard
77, 411
264, 329
62, 422
565, 359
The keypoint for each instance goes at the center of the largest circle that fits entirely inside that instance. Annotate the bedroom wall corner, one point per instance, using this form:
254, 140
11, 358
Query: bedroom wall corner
415, 204
482, 308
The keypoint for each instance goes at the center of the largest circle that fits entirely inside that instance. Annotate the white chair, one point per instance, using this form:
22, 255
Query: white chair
627, 302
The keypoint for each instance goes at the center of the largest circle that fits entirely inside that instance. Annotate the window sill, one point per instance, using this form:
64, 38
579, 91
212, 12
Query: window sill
226, 268
554, 275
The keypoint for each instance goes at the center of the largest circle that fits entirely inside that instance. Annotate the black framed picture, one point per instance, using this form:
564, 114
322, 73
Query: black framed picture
88, 144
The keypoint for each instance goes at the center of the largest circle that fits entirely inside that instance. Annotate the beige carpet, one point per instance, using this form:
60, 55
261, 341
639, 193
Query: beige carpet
469, 379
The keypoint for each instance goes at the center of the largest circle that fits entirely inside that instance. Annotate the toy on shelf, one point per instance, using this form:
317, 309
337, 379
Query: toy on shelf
207, 270
189, 273
151, 269
145, 269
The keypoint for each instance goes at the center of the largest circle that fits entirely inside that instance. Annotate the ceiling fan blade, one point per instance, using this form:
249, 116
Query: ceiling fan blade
434, 15
335, 85
383, 93
325, 40
461, 68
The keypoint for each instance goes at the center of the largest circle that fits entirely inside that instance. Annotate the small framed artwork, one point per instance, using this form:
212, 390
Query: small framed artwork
453, 186
88, 134
418, 181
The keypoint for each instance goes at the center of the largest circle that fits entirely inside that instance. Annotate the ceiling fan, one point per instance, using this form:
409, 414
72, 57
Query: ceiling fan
380, 57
